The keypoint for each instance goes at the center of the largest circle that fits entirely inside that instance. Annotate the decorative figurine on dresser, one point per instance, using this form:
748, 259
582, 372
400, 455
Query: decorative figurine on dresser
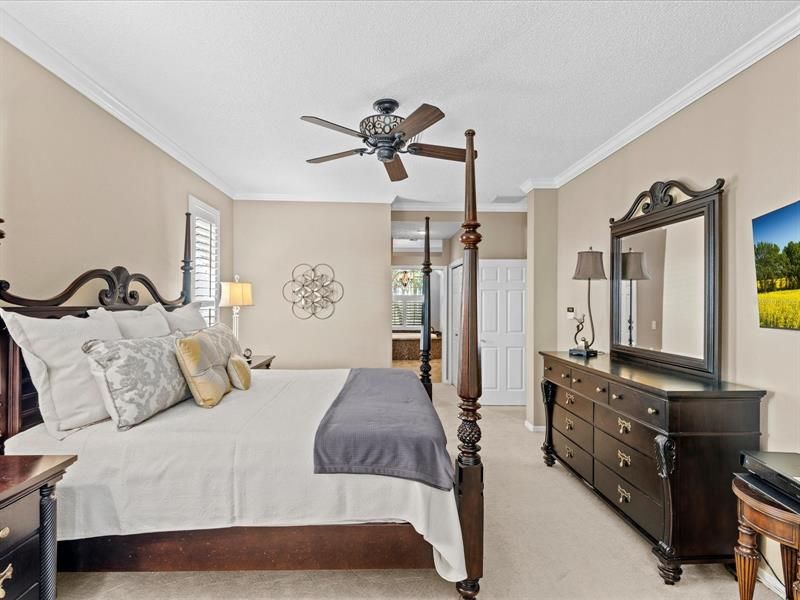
28, 546
650, 427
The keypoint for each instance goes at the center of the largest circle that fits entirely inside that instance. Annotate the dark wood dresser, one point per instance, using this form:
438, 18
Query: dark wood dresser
659, 447
28, 525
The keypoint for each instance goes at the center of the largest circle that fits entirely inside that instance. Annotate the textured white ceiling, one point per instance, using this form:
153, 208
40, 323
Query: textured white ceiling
542, 83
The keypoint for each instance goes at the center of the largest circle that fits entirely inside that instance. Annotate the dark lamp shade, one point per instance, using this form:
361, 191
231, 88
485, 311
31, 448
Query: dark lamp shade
633, 267
590, 265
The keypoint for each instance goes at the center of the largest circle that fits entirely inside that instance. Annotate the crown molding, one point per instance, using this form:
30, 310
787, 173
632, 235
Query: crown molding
773, 37
485, 207
27, 42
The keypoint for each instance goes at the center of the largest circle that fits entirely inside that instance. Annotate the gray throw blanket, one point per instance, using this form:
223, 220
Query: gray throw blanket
383, 423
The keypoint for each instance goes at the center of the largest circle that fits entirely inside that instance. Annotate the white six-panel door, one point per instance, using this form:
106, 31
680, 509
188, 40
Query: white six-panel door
502, 327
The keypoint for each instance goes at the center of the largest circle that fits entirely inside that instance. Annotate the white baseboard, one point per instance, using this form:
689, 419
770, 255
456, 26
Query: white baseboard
534, 428
772, 583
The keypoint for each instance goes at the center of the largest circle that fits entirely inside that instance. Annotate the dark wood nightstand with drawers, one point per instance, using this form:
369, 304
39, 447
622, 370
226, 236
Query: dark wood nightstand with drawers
28, 544
658, 447
259, 361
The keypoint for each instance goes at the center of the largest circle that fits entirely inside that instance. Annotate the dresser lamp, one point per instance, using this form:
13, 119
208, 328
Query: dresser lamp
235, 294
590, 266
633, 269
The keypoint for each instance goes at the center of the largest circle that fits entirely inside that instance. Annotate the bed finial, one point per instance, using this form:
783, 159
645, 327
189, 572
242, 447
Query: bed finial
469, 468
425, 337
186, 267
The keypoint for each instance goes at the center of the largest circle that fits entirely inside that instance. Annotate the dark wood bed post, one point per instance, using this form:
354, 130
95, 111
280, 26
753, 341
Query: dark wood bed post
425, 337
469, 468
186, 267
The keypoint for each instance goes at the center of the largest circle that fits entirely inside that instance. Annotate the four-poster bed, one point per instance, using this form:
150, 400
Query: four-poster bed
337, 546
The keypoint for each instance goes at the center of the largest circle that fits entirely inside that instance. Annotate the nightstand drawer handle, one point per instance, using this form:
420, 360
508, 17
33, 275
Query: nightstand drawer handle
569, 424
7, 574
5, 532
624, 495
624, 459
652, 411
569, 452
570, 398
624, 426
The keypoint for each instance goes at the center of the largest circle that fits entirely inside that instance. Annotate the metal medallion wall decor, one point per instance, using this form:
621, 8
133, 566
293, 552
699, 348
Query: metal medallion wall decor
313, 291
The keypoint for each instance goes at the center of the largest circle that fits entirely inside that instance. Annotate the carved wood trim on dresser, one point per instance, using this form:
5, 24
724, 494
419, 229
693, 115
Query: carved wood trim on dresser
659, 447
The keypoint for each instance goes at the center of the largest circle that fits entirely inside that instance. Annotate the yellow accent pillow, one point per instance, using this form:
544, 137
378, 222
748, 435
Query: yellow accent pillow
239, 372
203, 365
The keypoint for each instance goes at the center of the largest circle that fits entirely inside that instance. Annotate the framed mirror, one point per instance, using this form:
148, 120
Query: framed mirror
665, 278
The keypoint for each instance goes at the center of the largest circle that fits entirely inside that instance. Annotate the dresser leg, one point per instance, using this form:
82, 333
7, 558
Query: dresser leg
670, 571
789, 563
796, 584
747, 559
48, 542
549, 399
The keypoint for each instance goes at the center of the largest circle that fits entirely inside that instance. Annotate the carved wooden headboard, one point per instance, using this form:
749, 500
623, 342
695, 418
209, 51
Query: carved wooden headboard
19, 403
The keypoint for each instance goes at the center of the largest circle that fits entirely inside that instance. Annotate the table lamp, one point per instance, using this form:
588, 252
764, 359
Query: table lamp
235, 294
633, 269
590, 266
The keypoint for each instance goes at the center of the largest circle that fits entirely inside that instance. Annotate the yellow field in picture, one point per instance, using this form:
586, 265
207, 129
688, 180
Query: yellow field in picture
780, 309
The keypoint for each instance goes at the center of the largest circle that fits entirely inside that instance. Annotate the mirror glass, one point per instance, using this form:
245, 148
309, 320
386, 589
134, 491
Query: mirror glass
662, 289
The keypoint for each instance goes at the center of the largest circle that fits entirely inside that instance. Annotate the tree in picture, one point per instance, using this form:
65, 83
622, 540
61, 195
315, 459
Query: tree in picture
776, 244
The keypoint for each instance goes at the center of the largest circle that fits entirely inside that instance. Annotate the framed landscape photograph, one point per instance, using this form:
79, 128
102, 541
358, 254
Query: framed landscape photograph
776, 243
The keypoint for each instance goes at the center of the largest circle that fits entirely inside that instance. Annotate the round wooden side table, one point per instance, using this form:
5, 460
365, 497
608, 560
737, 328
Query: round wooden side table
758, 515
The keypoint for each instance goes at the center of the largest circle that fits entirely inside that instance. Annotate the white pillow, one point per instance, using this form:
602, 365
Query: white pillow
135, 324
186, 318
68, 394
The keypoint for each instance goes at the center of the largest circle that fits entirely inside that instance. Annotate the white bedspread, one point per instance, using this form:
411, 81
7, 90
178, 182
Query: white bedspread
246, 462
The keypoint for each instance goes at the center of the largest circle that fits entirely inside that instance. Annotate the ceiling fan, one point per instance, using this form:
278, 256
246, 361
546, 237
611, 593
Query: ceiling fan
388, 135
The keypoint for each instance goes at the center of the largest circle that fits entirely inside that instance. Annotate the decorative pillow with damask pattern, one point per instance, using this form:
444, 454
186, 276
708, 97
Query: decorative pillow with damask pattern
138, 378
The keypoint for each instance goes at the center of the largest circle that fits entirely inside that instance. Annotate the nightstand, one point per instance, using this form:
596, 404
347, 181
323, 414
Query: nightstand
28, 525
262, 361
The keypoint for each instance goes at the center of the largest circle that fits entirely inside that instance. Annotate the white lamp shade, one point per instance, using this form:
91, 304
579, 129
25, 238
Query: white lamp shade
236, 293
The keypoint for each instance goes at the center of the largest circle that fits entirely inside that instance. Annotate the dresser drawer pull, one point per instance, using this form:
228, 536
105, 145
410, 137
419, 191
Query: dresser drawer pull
624, 459
624, 426
616, 396
548, 368
568, 451
600, 390
652, 411
564, 375
576, 380
5, 532
7, 574
624, 495
569, 424
570, 398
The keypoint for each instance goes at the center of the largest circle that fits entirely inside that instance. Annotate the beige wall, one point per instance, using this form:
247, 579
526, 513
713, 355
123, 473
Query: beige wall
504, 236
355, 239
748, 132
80, 190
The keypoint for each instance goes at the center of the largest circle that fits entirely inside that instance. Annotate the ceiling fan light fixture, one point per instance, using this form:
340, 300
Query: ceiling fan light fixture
375, 125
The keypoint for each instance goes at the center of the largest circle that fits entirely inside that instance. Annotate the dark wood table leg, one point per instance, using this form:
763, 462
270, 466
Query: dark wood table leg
47, 542
796, 584
789, 563
549, 399
747, 559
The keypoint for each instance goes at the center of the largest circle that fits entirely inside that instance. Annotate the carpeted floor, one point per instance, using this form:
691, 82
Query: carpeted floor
547, 538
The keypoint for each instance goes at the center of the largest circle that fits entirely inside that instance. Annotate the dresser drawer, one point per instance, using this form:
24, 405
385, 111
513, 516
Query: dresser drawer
644, 407
630, 500
574, 428
24, 560
572, 455
31, 594
19, 521
625, 429
575, 403
589, 385
557, 372
631, 464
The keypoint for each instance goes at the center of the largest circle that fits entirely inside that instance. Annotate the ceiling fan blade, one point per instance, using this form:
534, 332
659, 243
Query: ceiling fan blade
334, 126
443, 152
395, 169
322, 159
422, 118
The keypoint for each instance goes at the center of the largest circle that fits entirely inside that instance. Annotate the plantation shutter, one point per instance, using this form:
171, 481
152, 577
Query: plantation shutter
205, 254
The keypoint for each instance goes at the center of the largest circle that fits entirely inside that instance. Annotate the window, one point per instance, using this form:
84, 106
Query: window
205, 254
406, 299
